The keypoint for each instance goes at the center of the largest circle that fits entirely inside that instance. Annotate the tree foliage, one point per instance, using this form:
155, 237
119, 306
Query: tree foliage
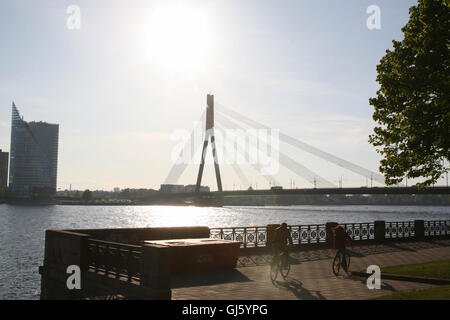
412, 106
87, 195
3, 192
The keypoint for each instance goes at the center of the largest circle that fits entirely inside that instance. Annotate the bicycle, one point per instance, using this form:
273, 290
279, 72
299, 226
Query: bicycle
280, 263
341, 260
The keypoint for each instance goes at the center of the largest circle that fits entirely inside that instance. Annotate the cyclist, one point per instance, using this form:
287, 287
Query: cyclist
281, 240
340, 236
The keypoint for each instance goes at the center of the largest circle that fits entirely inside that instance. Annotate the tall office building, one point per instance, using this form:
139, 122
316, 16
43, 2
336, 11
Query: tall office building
34, 157
4, 157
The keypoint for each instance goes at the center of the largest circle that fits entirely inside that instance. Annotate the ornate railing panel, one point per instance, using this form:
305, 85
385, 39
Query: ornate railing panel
249, 236
257, 236
400, 229
436, 228
312, 233
119, 260
261, 233
360, 231
295, 234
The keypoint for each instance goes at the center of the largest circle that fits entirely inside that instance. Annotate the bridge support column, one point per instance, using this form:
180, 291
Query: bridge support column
209, 133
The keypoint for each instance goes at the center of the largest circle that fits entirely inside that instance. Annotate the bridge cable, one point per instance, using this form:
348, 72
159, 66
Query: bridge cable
285, 160
238, 170
304, 146
181, 164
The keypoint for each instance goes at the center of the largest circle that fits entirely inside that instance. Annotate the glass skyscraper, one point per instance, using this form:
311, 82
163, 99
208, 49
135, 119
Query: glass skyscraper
4, 158
34, 157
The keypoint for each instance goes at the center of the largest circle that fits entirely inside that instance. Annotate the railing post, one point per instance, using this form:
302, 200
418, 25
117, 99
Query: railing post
155, 270
329, 232
380, 231
245, 237
419, 229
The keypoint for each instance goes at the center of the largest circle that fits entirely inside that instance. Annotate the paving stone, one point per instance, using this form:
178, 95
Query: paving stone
310, 279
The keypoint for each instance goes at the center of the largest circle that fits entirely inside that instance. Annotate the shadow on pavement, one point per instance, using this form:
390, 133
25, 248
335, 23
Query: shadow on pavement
207, 278
356, 250
401, 247
354, 253
440, 243
384, 285
296, 288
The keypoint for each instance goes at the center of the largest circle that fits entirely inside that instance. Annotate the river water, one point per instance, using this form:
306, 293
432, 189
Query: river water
22, 228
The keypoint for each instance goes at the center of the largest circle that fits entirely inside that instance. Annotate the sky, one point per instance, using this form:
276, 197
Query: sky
134, 73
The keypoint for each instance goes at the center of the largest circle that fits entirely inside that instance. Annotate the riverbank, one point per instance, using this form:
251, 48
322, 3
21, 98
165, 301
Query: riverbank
121, 203
130, 203
277, 200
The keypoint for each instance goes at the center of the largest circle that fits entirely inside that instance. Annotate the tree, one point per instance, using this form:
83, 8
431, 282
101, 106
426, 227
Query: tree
412, 106
87, 195
3, 192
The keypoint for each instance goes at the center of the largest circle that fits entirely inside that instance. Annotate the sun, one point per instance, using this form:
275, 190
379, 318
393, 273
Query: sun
178, 37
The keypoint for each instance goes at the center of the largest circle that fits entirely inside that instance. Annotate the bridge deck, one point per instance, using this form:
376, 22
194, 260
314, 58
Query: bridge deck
362, 190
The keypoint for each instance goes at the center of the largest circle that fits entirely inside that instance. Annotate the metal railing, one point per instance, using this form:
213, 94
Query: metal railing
309, 234
400, 229
314, 233
436, 228
116, 259
252, 237
119, 260
249, 236
360, 231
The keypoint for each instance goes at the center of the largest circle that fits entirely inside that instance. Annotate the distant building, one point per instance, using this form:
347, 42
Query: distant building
4, 157
172, 188
276, 188
179, 188
191, 188
34, 157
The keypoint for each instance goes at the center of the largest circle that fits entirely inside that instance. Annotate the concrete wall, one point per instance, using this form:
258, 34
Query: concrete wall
136, 235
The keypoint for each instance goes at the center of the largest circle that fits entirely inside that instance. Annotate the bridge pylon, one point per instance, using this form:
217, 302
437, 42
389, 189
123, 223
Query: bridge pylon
209, 133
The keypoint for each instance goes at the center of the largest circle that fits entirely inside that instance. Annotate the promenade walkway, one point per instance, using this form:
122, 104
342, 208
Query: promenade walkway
311, 276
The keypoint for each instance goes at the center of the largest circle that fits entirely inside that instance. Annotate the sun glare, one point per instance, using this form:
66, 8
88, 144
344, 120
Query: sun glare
178, 38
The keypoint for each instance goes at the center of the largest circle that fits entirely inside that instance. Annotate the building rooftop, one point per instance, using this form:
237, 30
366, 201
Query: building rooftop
43, 123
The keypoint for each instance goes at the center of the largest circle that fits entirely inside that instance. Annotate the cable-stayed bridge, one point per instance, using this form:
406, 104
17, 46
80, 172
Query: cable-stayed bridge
261, 144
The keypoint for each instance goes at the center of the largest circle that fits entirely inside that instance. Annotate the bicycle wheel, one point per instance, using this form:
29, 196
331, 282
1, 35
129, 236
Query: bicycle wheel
347, 262
273, 270
284, 269
337, 264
